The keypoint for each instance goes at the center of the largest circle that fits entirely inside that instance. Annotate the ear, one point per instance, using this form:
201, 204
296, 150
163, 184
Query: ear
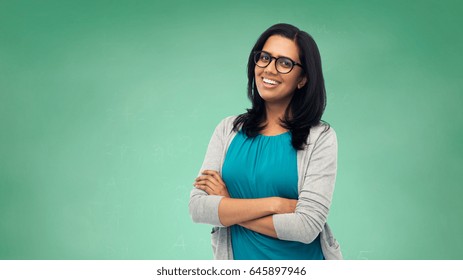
302, 82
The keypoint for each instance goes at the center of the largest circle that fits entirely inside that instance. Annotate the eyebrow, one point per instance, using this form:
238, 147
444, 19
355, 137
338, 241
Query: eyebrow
279, 56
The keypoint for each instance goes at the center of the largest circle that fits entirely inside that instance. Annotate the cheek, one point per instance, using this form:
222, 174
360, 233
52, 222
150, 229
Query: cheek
256, 76
293, 81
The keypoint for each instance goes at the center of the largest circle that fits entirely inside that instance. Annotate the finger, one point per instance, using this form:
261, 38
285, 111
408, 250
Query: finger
205, 188
208, 184
208, 177
215, 175
218, 178
202, 187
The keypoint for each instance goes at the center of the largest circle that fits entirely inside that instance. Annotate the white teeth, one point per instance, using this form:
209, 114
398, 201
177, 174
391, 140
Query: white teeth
270, 81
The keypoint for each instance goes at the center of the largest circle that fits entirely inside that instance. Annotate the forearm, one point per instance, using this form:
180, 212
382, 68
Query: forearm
234, 211
262, 225
203, 208
315, 196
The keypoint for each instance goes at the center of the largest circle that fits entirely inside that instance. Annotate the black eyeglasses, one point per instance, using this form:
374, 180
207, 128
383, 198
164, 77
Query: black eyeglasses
284, 65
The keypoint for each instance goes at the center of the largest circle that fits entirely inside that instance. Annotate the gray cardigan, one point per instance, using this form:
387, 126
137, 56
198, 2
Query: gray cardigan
316, 166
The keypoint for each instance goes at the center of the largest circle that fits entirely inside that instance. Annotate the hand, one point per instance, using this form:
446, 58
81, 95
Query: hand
211, 182
285, 205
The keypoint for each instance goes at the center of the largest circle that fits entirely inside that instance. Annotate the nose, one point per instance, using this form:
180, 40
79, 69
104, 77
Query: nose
271, 67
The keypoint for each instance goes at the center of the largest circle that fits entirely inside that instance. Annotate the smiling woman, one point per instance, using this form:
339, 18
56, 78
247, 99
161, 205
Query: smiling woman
268, 176
277, 83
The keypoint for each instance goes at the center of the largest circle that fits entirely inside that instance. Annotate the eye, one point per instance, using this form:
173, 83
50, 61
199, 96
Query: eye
264, 57
285, 63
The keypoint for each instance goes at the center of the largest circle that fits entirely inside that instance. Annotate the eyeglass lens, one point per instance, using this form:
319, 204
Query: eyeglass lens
283, 64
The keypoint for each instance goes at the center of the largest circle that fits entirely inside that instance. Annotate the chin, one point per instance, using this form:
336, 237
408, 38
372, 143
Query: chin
265, 96
272, 99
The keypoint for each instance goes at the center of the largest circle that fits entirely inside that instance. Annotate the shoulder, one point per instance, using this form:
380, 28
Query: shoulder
322, 133
226, 124
228, 121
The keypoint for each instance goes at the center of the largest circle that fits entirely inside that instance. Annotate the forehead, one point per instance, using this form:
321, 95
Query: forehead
278, 46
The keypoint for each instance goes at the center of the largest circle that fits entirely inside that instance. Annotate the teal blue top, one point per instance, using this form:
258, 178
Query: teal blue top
258, 167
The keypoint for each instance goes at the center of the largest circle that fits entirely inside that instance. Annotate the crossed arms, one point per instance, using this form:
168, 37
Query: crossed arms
295, 220
254, 214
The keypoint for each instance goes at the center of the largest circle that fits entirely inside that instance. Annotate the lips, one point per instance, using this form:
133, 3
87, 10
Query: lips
270, 81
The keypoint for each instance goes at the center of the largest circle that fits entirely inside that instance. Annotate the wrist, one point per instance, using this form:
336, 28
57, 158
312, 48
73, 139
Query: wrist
275, 205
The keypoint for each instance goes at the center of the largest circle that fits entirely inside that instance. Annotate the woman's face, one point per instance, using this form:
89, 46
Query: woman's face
281, 87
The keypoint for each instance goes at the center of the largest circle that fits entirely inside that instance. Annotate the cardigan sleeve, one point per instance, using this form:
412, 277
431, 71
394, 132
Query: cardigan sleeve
204, 208
314, 201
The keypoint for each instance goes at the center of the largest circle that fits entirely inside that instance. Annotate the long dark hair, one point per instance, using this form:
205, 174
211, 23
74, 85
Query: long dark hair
307, 104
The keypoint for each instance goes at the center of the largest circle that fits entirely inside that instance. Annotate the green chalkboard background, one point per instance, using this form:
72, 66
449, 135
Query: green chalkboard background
107, 107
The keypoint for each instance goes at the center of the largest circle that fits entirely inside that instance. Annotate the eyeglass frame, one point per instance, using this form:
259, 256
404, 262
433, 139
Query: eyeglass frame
276, 59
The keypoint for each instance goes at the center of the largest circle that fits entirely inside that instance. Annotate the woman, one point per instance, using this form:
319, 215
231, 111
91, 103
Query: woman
268, 176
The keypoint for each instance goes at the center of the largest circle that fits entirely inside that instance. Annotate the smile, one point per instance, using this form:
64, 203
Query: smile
271, 82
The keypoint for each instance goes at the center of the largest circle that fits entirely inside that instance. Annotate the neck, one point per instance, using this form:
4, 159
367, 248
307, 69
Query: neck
274, 112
